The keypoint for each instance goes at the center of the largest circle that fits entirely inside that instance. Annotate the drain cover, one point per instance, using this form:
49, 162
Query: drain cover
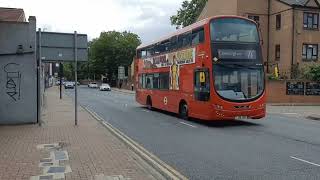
59, 155
48, 162
45, 160
49, 177
56, 169
60, 176
48, 146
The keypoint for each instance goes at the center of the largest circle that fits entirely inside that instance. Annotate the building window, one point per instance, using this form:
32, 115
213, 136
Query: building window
255, 18
310, 52
311, 20
278, 52
278, 21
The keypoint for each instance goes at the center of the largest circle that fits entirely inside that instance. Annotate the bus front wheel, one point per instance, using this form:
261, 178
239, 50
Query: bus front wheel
149, 103
183, 110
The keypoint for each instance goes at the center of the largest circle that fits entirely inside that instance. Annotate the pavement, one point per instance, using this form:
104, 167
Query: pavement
59, 149
308, 112
123, 90
280, 146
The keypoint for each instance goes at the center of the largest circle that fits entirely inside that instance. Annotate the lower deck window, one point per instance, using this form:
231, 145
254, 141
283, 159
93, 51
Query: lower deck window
154, 81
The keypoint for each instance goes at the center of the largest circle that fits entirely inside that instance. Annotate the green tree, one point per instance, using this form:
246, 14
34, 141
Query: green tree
188, 13
110, 50
68, 70
313, 73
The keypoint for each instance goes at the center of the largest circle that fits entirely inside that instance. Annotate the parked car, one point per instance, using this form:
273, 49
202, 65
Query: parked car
75, 83
105, 87
93, 85
69, 85
58, 82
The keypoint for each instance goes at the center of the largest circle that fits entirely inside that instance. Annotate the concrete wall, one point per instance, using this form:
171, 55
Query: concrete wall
18, 72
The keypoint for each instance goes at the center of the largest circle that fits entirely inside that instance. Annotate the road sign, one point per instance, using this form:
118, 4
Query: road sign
61, 47
121, 72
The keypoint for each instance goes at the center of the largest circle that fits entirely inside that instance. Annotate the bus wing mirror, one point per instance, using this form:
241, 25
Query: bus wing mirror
260, 34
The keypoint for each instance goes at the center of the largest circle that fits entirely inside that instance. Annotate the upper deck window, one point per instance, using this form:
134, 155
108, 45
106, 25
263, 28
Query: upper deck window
174, 43
233, 30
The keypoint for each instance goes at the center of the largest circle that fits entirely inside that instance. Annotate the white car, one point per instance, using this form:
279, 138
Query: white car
105, 87
93, 85
74, 83
69, 85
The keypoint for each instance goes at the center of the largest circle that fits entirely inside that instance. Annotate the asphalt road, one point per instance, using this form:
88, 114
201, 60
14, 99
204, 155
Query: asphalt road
278, 147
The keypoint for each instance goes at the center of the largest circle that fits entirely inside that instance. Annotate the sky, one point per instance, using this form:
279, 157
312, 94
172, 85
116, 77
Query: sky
149, 19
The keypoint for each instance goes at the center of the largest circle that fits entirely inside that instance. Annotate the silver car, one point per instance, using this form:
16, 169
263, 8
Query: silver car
105, 87
69, 85
93, 85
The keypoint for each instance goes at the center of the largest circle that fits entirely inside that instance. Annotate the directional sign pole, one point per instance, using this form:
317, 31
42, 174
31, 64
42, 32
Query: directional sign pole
60, 78
76, 79
39, 78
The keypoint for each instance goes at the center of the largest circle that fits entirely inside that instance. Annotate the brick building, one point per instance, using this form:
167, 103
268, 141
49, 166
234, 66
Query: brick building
289, 29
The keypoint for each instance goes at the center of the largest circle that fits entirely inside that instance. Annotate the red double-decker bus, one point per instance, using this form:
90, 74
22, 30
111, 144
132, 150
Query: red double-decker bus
210, 70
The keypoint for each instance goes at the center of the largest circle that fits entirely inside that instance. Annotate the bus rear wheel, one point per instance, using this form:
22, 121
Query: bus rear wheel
183, 110
149, 103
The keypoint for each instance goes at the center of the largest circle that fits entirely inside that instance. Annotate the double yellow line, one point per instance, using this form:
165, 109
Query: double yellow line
164, 169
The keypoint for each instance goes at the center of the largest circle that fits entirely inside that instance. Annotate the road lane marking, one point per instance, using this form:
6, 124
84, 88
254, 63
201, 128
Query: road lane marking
160, 166
145, 110
290, 113
305, 161
188, 124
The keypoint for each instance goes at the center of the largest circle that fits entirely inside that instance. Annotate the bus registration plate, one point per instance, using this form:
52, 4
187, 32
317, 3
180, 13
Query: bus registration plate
241, 117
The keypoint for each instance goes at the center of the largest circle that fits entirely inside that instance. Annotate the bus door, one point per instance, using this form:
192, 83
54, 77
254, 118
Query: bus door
201, 91
201, 85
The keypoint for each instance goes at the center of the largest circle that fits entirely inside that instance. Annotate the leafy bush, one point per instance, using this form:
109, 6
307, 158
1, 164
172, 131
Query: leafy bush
272, 77
313, 72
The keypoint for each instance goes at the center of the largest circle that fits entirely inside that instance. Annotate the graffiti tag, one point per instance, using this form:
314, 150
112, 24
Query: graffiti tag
13, 80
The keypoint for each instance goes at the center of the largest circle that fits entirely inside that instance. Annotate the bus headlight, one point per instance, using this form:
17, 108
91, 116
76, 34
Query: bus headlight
218, 107
262, 105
